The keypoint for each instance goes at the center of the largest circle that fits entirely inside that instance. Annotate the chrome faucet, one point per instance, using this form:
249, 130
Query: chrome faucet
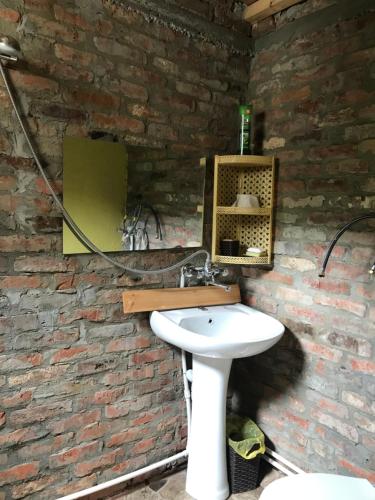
206, 273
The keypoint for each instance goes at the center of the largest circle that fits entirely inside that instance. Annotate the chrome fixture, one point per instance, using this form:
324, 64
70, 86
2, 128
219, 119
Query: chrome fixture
206, 274
338, 235
9, 49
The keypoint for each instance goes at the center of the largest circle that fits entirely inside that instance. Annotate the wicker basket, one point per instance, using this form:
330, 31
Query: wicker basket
243, 474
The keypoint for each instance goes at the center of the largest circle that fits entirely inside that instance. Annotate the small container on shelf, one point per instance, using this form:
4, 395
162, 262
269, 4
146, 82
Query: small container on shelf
229, 247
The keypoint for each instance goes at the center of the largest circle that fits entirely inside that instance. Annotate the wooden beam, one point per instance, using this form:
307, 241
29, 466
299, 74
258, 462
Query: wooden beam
161, 299
264, 8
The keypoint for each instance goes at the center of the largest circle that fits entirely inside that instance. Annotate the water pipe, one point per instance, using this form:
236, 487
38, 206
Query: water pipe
338, 235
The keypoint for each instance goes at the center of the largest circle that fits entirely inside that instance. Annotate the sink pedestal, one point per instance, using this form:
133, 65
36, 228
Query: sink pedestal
207, 466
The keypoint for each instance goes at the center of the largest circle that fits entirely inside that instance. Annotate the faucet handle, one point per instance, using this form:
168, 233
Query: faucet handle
219, 271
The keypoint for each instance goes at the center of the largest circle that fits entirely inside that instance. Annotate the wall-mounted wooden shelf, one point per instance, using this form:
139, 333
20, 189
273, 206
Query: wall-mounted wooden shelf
248, 174
243, 211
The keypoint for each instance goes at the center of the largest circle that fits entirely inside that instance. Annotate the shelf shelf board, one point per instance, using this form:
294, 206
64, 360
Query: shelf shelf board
245, 160
243, 260
243, 211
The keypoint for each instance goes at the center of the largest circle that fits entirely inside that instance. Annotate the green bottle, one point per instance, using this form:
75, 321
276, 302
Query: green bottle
246, 112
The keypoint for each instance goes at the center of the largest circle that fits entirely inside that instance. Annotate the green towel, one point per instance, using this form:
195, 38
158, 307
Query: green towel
245, 437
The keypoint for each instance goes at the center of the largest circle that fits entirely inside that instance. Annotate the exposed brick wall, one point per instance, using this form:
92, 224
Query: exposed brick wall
87, 393
312, 86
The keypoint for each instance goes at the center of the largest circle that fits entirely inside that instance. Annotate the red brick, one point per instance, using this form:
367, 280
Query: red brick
17, 437
126, 436
43, 448
321, 350
10, 15
19, 473
93, 431
17, 399
95, 99
91, 314
149, 356
7, 182
19, 243
76, 352
38, 375
334, 286
116, 122
128, 344
75, 421
143, 446
31, 82
133, 91
119, 378
20, 362
109, 395
117, 410
161, 131
295, 95
304, 313
354, 470
356, 308
71, 17
73, 455
40, 413
301, 422
42, 264
20, 282
25, 489
86, 468
74, 56
362, 366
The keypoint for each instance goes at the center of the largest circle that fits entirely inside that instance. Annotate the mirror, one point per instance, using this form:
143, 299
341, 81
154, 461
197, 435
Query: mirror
131, 198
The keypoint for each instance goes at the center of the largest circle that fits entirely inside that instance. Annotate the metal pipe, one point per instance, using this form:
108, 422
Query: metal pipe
122, 479
338, 235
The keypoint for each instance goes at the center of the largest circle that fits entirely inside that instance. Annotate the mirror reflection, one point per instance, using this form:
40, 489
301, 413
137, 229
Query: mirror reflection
131, 198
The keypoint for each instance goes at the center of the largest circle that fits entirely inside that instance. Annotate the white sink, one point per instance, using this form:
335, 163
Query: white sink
232, 331
215, 335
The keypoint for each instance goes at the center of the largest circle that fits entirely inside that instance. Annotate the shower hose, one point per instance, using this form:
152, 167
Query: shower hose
67, 217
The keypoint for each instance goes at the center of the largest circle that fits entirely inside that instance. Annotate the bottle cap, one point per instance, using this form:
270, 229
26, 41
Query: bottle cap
246, 109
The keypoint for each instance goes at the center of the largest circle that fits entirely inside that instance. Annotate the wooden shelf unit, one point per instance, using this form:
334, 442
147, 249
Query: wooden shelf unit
248, 174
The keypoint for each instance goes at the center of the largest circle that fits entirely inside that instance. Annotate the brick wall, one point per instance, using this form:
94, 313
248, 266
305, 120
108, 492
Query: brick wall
87, 393
312, 86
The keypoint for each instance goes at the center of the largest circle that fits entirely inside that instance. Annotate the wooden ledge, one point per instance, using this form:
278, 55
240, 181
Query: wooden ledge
161, 299
264, 8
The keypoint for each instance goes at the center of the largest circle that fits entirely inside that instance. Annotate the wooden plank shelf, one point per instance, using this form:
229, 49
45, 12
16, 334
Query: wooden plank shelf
161, 299
243, 211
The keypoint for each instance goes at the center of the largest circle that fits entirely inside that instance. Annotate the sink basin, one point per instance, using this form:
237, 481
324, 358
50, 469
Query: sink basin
231, 331
214, 335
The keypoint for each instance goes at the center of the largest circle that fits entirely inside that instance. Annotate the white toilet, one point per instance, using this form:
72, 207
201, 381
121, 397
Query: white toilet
316, 486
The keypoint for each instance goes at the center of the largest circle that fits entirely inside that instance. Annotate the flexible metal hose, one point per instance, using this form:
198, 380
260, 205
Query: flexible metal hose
68, 219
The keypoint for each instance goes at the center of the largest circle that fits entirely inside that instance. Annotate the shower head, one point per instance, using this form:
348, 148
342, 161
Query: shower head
9, 49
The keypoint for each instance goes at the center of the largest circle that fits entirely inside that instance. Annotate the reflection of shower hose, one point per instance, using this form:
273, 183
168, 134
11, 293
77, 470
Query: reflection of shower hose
68, 219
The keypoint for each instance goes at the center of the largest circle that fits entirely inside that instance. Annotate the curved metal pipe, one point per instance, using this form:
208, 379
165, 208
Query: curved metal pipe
338, 235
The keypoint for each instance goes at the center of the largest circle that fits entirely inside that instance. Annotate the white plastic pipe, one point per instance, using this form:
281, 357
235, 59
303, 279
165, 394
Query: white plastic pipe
126, 477
286, 462
278, 466
187, 393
